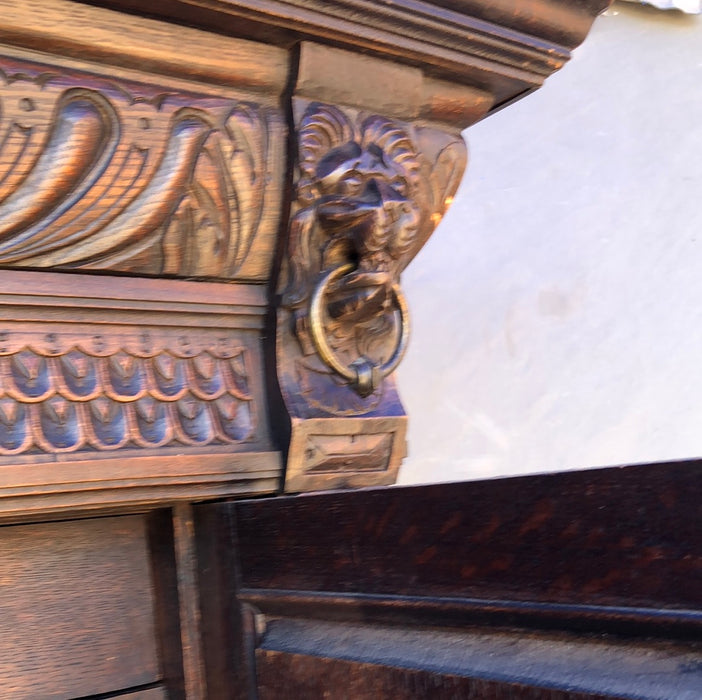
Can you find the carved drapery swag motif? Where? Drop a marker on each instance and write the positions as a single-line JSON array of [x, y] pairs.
[[368, 197], [123, 176]]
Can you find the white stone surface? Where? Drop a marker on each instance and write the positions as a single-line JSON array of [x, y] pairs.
[[693, 7], [557, 311]]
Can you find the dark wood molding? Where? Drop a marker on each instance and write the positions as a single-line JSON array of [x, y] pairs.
[[65, 31], [506, 49], [624, 538], [580, 565]]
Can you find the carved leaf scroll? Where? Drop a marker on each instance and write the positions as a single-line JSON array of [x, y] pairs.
[[104, 176]]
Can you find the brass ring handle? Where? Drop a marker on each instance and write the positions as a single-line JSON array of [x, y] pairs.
[[363, 374]]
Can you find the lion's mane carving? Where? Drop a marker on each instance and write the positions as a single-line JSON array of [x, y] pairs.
[[358, 193], [369, 192]]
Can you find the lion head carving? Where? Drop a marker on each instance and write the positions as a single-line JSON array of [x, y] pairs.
[[358, 191]]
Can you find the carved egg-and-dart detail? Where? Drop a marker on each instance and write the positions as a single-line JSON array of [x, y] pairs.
[[77, 401]]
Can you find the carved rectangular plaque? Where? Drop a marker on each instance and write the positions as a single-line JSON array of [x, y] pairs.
[[348, 452], [335, 454]]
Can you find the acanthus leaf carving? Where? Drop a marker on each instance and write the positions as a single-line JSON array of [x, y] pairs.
[[213, 225], [99, 175]]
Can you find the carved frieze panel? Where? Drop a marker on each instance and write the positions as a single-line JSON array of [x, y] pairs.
[[149, 177], [148, 385], [116, 390]]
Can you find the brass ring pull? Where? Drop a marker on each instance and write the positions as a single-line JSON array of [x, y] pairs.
[[363, 374]]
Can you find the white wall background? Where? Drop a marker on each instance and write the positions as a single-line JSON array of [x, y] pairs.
[[557, 310]]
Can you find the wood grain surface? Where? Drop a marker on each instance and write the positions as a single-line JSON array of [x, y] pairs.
[[129, 171], [77, 609], [509, 48], [74, 30], [599, 540]]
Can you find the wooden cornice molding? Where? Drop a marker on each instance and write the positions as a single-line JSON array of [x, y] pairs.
[[506, 47], [343, 77], [70, 30]]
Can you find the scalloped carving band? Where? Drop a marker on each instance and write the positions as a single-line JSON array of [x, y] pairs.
[[78, 399], [89, 371]]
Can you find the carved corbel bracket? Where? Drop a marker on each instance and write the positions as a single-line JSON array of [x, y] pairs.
[[376, 170]]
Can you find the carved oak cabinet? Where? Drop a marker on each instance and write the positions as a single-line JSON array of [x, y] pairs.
[[205, 210]]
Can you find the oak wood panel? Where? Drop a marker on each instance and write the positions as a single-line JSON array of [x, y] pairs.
[[126, 171], [574, 585], [121, 294], [71, 29], [37, 491], [190, 622], [343, 77], [603, 549], [77, 609]]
